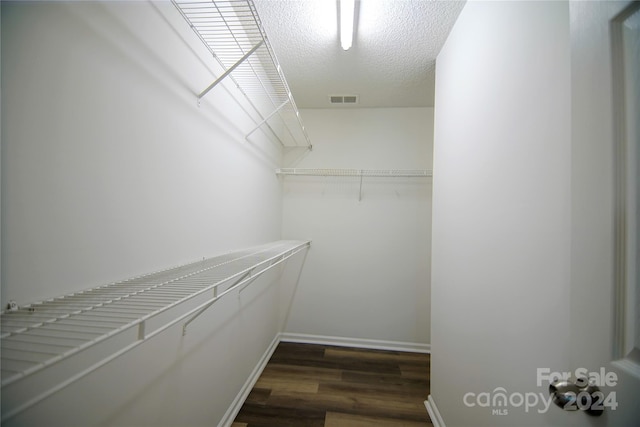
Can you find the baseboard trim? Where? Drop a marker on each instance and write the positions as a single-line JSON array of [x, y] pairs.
[[434, 414], [356, 342], [237, 403]]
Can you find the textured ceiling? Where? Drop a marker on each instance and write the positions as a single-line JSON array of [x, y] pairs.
[[391, 63]]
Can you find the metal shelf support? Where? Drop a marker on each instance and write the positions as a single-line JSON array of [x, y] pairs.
[[215, 298], [230, 70], [259, 125]]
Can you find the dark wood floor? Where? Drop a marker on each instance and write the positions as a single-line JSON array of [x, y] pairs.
[[306, 385]]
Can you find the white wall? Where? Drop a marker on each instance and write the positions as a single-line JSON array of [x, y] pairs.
[[367, 273], [501, 208], [111, 170]]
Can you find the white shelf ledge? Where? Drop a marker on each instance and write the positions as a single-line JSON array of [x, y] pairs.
[[37, 336]]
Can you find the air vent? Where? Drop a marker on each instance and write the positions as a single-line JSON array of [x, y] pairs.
[[343, 99]]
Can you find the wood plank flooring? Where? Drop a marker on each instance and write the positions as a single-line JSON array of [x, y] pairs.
[[307, 385]]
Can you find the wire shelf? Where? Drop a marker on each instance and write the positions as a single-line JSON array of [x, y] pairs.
[[392, 173], [357, 173], [233, 33], [39, 335]]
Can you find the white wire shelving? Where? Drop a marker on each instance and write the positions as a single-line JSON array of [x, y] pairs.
[[357, 173], [40, 335], [233, 32], [391, 173]]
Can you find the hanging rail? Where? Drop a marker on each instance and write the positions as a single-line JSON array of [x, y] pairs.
[[40, 335], [233, 33]]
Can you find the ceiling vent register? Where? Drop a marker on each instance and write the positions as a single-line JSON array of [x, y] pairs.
[[343, 99]]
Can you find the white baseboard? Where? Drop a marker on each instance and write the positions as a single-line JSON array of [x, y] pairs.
[[237, 403], [434, 414], [356, 342]]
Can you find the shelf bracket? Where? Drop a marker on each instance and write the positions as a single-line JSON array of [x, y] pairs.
[[273, 262], [246, 278], [230, 70], [267, 118], [212, 301]]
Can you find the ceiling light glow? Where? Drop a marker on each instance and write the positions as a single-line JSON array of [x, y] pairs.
[[347, 10]]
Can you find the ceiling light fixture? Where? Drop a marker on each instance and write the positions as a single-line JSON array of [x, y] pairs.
[[347, 12]]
